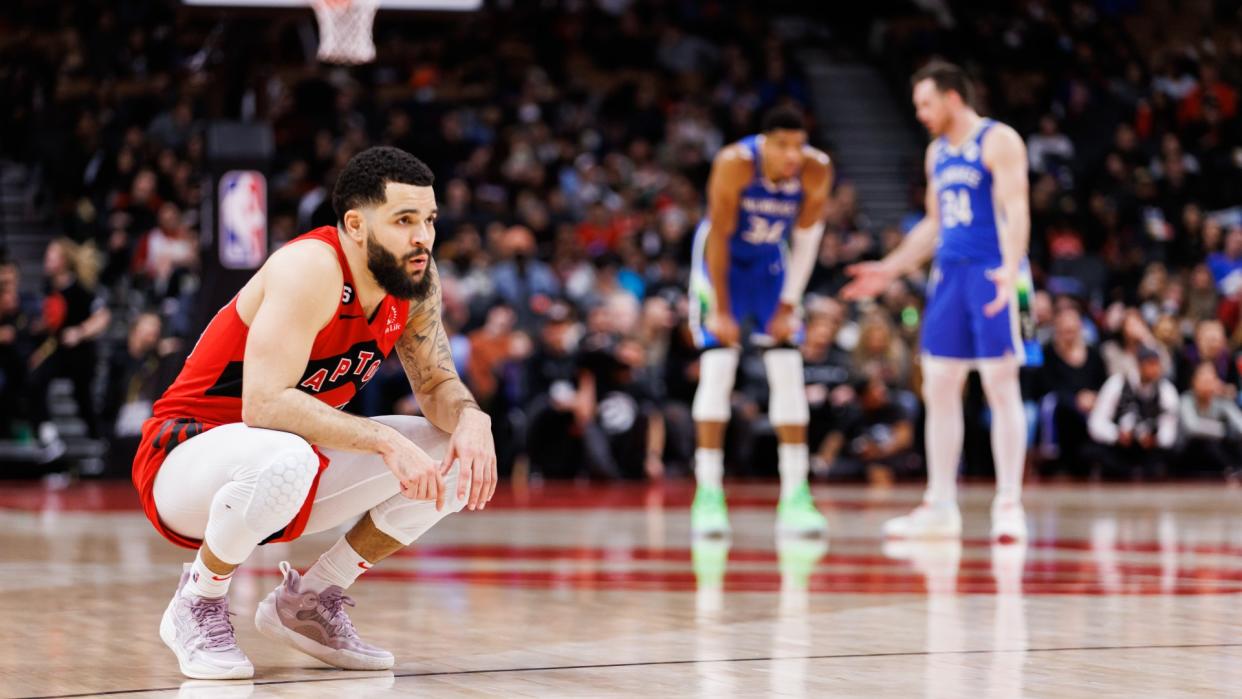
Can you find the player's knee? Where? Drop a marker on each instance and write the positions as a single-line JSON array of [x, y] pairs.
[[281, 487], [787, 387], [404, 520], [1000, 379], [421, 432], [717, 369], [943, 379]]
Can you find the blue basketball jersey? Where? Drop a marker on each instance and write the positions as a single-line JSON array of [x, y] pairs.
[[963, 188], [767, 212]]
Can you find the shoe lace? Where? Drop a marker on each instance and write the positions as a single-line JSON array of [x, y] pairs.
[[333, 601], [212, 618]]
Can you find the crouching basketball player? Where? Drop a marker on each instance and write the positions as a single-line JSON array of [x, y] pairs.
[[753, 256], [249, 446]]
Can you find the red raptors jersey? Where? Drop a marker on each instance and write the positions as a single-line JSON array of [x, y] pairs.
[[207, 393]]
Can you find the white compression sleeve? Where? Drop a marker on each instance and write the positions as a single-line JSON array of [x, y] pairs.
[[803, 251], [1004, 393], [943, 380]]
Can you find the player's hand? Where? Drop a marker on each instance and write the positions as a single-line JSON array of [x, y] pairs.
[[1086, 401], [1125, 438], [414, 469], [473, 446], [71, 337], [1147, 441], [1004, 279], [724, 327], [868, 280], [784, 324]]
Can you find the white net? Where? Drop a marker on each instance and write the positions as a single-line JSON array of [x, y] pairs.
[[345, 30]]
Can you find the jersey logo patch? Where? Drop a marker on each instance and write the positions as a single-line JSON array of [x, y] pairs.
[[394, 324]]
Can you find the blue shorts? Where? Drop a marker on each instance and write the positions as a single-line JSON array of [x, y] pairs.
[[754, 293], [954, 325]]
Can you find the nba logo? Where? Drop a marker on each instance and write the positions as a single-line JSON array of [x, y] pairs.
[[243, 219]]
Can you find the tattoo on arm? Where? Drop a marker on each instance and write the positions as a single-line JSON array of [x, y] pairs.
[[427, 357]]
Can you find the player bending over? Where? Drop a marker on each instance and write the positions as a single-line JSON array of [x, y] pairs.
[[753, 256]]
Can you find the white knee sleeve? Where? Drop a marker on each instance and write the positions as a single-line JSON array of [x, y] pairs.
[[717, 369], [405, 520], [786, 387], [280, 489], [1003, 388], [1001, 382], [247, 511]]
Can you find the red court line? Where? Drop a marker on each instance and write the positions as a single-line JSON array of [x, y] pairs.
[[542, 552], [744, 581], [120, 496]]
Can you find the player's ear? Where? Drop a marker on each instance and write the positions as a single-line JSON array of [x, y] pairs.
[[352, 222]]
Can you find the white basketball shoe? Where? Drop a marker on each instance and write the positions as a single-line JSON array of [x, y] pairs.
[[1008, 521], [927, 521], [198, 630]]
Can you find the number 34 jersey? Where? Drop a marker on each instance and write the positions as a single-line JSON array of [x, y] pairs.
[[767, 212], [963, 188]]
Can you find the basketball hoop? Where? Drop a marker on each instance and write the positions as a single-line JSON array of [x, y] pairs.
[[345, 30]]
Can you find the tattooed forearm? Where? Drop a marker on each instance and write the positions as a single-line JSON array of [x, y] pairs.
[[427, 358]]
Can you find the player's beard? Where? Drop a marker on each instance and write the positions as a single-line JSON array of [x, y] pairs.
[[390, 274]]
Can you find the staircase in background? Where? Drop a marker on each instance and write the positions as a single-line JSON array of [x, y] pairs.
[[869, 135]]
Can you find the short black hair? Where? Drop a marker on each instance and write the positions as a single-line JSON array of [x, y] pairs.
[[362, 181], [782, 117], [946, 76]]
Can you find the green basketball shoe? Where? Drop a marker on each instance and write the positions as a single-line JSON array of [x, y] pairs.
[[709, 517], [796, 515]]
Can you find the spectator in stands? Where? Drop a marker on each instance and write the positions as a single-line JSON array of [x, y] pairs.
[[1069, 381], [874, 438], [14, 351], [622, 426], [556, 406], [1135, 419], [881, 351], [1226, 265], [1049, 150], [828, 371], [1212, 347], [73, 320], [1128, 334], [139, 370], [523, 279], [496, 350], [167, 253], [1211, 425], [1201, 298]]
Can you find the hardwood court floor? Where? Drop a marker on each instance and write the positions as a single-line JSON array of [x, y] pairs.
[[567, 590]]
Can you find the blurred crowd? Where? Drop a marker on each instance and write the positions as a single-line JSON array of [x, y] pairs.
[[571, 158]]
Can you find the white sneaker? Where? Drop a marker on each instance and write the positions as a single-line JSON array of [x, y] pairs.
[[198, 630], [1008, 521], [926, 522]]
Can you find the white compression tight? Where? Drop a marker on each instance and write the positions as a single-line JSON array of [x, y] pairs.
[[1004, 394], [943, 381], [233, 486]]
